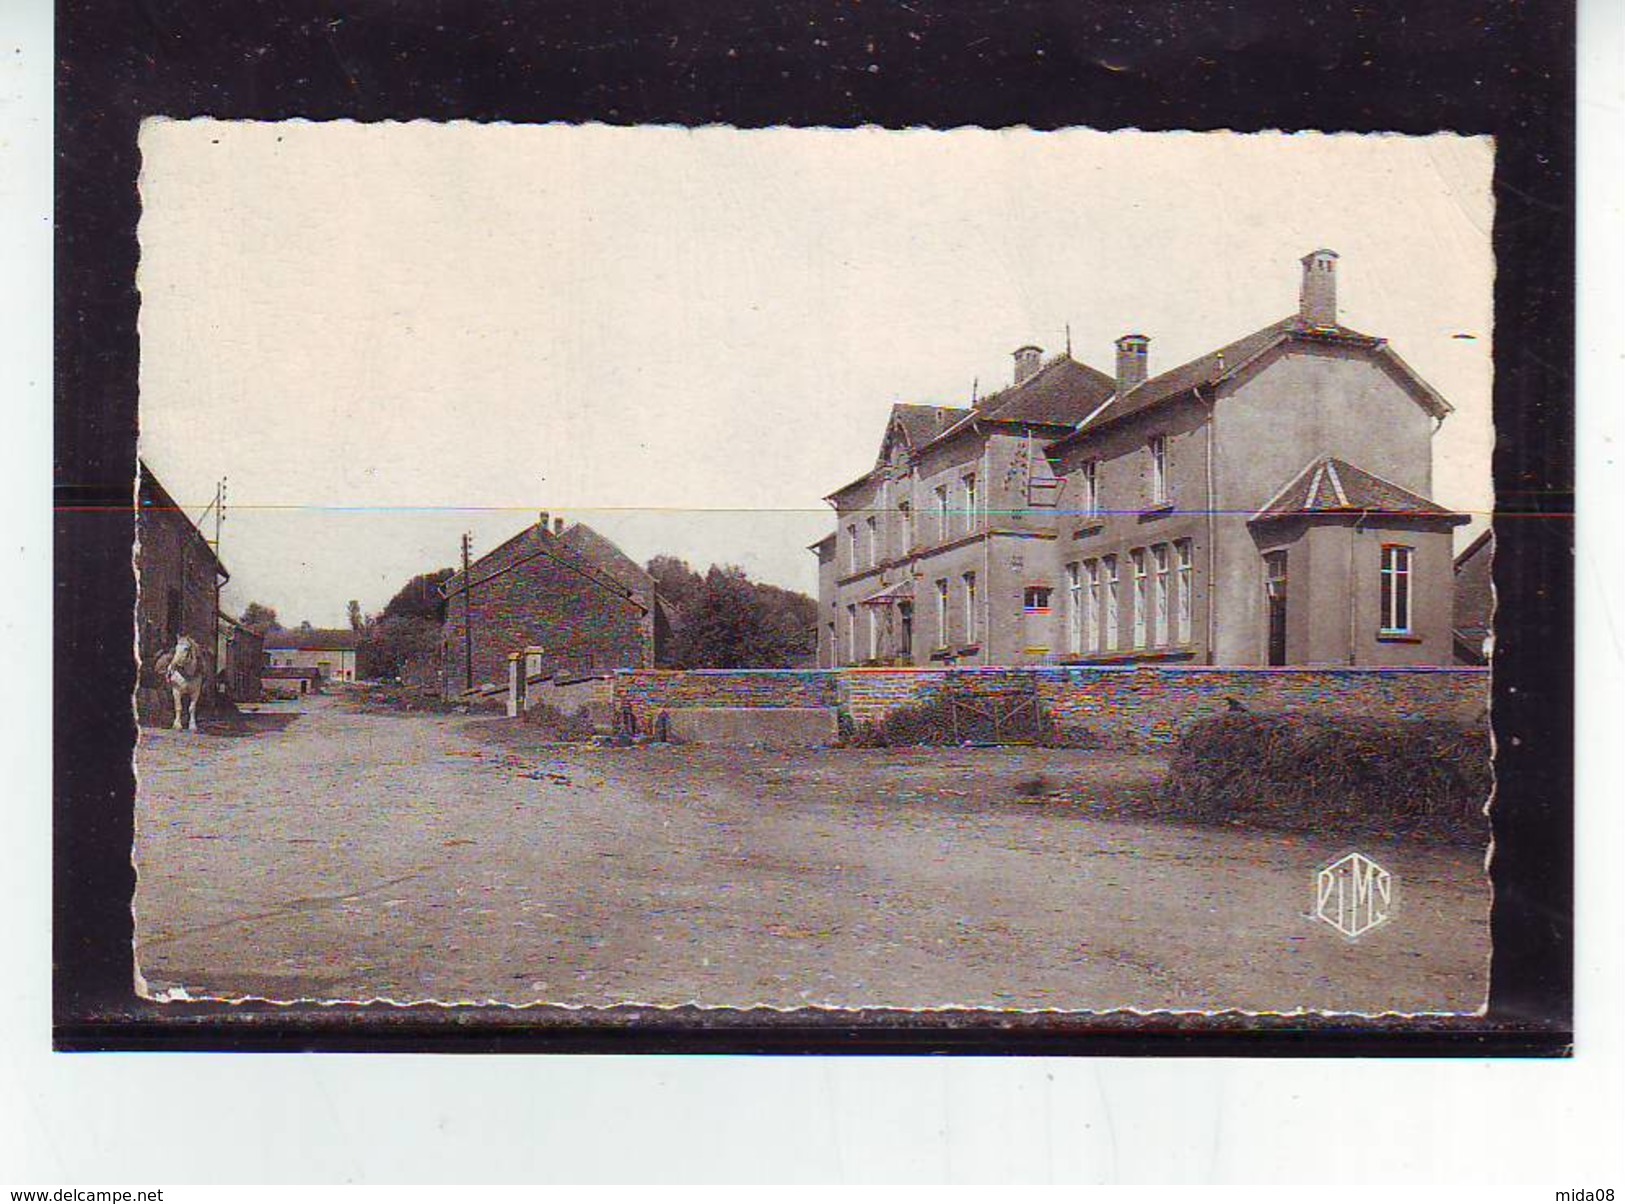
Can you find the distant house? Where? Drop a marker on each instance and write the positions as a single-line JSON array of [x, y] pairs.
[[329, 650], [241, 657], [289, 682], [1264, 504], [1475, 601], [178, 579], [565, 595]]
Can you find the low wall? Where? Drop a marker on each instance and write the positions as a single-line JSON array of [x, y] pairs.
[[644, 693], [774, 727], [1121, 704], [591, 695]]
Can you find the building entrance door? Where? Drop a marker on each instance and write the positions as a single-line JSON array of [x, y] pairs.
[[1275, 604]]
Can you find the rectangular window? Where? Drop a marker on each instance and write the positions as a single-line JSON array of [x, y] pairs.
[[872, 529], [1159, 595], [1109, 567], [942, 612], [1275, 599], [1396, 588], [969, 487], [905, 525], [1074, 608], [1036, 598], [1091, 606], [971, 626], [851, 635], [941, 494], [1139, 600], [852, 547], [1183, 590], [1159, 470], [874, 632], [1089, 503]]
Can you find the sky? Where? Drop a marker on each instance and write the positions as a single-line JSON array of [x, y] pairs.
[[385, 335]]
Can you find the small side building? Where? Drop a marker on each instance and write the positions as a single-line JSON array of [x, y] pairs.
[[241, 656], [178, 579], [1474, 616]]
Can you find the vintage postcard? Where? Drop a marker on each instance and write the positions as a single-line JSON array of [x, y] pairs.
[[813, 569]]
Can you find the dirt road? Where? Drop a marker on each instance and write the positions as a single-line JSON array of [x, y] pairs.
[[335, 854]]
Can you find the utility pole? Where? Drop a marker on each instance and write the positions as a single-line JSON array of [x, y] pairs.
[[468, 622], [218, 506]]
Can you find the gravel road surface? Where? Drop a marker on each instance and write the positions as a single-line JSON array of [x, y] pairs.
[[330, 853]]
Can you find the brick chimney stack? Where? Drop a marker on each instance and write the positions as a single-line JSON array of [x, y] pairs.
[[1317, 299], [1028, 360], [1133, 360]]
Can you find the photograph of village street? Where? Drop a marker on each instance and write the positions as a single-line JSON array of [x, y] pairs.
[[594, 566]]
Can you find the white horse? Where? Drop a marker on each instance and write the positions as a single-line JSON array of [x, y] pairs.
[[184, 670]]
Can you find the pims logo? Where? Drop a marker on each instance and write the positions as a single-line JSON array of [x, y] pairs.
[[1354, 895]]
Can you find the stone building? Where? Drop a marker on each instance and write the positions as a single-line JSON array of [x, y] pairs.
[[1264, 504], [329, 650], [178, 578], [564, 595], [240, 653]]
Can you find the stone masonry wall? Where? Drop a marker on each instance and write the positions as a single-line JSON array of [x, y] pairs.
[[648, 692], [1123, 705]]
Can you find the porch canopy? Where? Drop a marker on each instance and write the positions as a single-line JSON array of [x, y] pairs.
[[890, 595]]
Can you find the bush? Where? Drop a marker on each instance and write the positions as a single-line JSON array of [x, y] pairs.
[[1326, 774]]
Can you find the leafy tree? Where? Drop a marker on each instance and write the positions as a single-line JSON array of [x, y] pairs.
[[675, 581], [260, 618], [408, 627], [388, 644], [733, 623], [420, 598]]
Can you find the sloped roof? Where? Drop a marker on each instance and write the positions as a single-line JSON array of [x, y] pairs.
[[317, 639], [1225, 362], [603, 552], [1062, 392], [1329, 485], [921, 424], [152, 496], [579, 548]]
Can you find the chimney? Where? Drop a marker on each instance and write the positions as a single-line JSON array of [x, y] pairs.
[[1132, 361], [558, 525], [1027, 361], [1317, 299], [545, 524]]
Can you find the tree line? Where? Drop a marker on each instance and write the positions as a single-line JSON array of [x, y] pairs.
[[719, 619]]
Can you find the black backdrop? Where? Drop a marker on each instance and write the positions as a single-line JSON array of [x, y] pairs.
[[1503, 68]]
